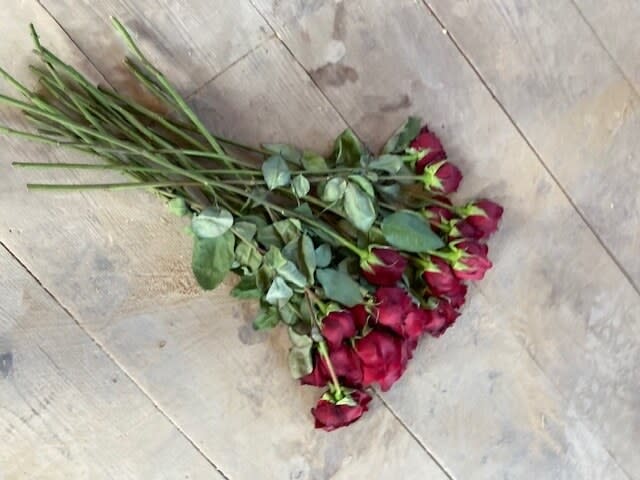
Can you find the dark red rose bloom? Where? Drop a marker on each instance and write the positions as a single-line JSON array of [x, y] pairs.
[[384, 357], [439, 215], [484, 215], [346, 365], [384, 266], [330, 416], [360, 316], [338, 326], [396, 311], [442, 177], [440, 278], [319, 376], [441, 317], [473, 261], [428, 140], [462, 228], [457, 298]]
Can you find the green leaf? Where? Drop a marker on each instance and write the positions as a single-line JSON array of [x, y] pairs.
[[323, 256], [268, 237], [212, 259], [288, 152], [389, 192], [300, 358], [288, 229], [363, 183], [246, 230], [410, 232], [248, 255], [348, 149], [267, 318], [402, 137], [359, 207], [301, 186], [258, 220], [300, 361], [291, 274], [178, 206], [290, 250], [276, 172], [212, 222], [334, 189], [307, 257], [288, 314], [339, 286], [313, 162], [274, 258], [246, 288], [279, 292], [387, 163]]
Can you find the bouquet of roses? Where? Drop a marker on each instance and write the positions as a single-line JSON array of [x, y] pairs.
[[357, 254]]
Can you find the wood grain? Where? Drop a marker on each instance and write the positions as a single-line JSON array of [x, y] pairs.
[[616, 24], [66, 410], [577, 329], [121, 267], [193, 40]]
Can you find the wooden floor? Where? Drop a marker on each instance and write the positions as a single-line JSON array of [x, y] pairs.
[[114, 365]]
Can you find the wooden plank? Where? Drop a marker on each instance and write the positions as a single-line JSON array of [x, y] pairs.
[[193, 41], [617, 24], [66, 410], [547, 68], [121, 266], [580, 328]]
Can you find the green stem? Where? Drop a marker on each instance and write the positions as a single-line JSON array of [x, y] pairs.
[[107, 186], [324, 353]]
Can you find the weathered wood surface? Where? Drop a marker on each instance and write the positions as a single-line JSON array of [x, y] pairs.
[[580, 328], [617, 25], [67, 411], [121, 267], [539, 378], [546, 67]]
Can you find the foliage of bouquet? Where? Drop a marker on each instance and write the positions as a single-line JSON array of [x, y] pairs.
[[357, 254]]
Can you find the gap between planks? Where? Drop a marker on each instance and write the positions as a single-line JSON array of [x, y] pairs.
[[112, 359]]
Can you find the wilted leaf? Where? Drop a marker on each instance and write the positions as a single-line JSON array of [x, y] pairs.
[[267, 318], [248, 255], [269, 237], [359, 208], [246, 230], [279, 292], [363, 183], [212, 259], [339, 286], [348, 149], [276, 172], [289, 271], [212, 222], [246, 288], [313, 162], [178, 206], [307, 256], [288, 229], [300, 361], [333, 189], [410, 232]]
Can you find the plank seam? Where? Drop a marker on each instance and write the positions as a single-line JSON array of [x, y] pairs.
[[564, 192], [606, 49], [111, 358]]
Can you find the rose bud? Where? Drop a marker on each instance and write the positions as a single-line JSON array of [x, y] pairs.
[[396, 311], [439, 277], [441, 177], [329, 415], [441, 317], [383, 266], [472, 260], [338, 326], [439, 215], [483, 215], [462, 228], [428, 141], [457, 298], [384, 357]]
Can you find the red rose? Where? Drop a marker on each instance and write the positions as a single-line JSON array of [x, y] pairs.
[[319, 376], [473, 261], [427, 140], [330, 416], [441, 317], [338, 326], [462, 228], [439, 277], [442, 177], [396, 311], [484, 215], [439, 215], [360, 315], [384, 266], [384, 357], [346, 365], [457, 298]]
